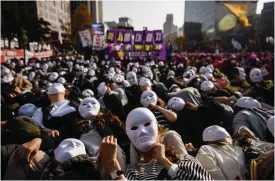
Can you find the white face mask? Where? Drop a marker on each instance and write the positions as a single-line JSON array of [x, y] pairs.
[[149, 75], [132, 78], [135, 70], [31, 76], [142, 129], [101, 89], [241, 73], [91, 73], [148, 97], [89, 107], [176, 104], [256, 75], [53, 76], [103, 62]]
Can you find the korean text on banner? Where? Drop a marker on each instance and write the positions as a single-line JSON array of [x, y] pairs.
[[127, 39], [111, 36], [149, 38], [158, 36], [98, 41], [85, 37], [240, 11], [138, 37], [119, 36]]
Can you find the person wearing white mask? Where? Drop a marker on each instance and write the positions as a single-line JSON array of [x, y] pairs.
[[148, 157], [261, 88], [164, 117], [220, 157], [87, 93], [250, 115], [237, 78], [90, 120], [59, 116], [53, 76], [112, 100], [70, 162], [131, 77], [176, 104]]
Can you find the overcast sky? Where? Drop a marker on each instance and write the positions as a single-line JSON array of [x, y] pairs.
[[148, 13]]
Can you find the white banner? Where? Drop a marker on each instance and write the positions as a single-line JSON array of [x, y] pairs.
[[98, 41], [85, 38]]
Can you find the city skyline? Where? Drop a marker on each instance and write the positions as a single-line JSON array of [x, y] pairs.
[[150, 18]]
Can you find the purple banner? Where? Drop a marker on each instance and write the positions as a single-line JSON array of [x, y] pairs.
[[127, 39], [138, 37], [111, 35], [158, 36], [149, 38], [119, 36]]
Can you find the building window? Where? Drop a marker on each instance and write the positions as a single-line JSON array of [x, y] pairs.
[[54, 2], [45, 6], [40, 3]]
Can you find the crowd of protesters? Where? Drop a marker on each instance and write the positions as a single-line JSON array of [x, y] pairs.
[[198, 116]]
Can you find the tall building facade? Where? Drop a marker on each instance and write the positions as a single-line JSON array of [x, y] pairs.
[[202, 18], [95, 8], [55, 12], [51, 11], [168, 26]]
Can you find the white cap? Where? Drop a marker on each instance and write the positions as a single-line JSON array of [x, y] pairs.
[[214, 133], [61, 80], [191, 78], [55, 88], [202, 70], [248, 102], [27, 110], [88, 93], [145, 82], [270, 125], [207, 86], [7, 79], [69, 148], [208, 70], [62, 73], [209, 75], [101, 89], [171, 73]]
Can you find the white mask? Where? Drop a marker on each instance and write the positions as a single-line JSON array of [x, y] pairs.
[[148, 97], [241, 73], [136, 64], [31, 76], [131, 77], [142, 129], [94, 66], [135, 70], [89, 107], [101, 89], [102, 62], [91, 73], [176, 104], [256, 75], [88, 93], [149, 75], [53, 76]]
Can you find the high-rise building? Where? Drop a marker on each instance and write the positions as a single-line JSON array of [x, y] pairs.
[[54, 12], [202, 18], [95, 8], [168, 26]]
